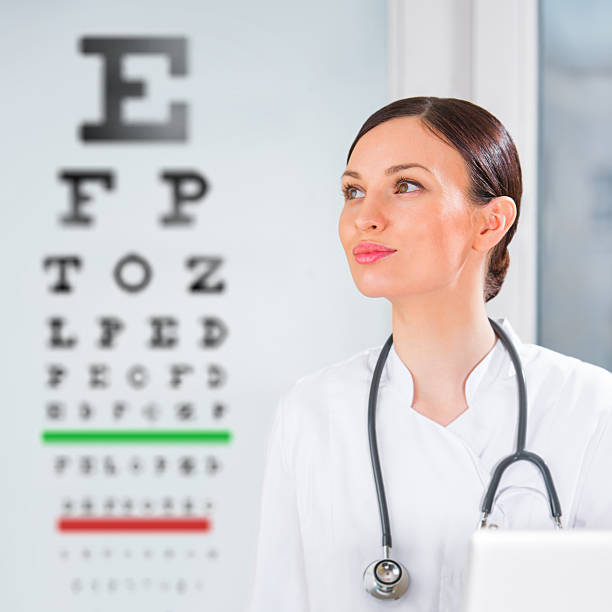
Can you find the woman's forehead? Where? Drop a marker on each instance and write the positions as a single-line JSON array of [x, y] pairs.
[[404, 140]]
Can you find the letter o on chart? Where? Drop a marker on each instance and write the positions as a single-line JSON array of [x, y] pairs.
[[129, 285]]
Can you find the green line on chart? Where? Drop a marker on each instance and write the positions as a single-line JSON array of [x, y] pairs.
[[173, 436]]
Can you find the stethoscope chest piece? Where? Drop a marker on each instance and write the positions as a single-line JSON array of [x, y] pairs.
[[386, 579]]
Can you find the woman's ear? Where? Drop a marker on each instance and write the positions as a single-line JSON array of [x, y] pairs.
[[494, 219]]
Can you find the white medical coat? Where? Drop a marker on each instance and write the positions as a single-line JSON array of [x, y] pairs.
[[319, 523]]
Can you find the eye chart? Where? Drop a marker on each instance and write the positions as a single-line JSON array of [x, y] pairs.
[[136, 422], [165, 171]]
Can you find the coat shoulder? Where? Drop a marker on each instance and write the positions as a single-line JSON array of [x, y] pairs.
[[573, 378], [316, 392], [339, 375]]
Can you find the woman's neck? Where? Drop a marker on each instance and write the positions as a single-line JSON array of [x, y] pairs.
[[441, 341]]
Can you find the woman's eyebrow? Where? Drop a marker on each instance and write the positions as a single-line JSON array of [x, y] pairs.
[[388, 171]]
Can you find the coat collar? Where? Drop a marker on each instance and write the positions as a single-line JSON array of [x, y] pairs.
[[496, 364]]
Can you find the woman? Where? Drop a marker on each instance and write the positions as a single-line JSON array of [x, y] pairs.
[[435, 183]]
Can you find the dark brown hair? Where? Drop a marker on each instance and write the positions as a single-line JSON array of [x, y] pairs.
[[489, 153]]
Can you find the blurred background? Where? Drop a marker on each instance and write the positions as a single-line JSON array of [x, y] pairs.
[[171, 261]]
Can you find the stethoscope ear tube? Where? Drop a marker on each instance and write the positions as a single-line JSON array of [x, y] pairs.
[[553, 499], [520, 454]]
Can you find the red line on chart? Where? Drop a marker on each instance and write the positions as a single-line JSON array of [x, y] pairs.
[[133, 524]]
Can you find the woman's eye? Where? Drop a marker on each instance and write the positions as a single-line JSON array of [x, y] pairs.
[[403, 186], [350, 192]]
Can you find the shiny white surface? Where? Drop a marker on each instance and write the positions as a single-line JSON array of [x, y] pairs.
[[532, 571]]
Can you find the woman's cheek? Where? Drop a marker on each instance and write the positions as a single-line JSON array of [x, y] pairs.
[[421, 233]]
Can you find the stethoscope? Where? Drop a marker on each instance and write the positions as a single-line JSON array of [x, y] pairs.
[[389, 579]]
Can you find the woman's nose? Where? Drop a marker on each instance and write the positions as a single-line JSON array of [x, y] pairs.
[[370, 215]]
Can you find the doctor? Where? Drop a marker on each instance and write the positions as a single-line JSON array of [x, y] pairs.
[[432, 195]]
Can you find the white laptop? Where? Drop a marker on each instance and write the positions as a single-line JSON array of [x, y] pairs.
[[557, 570]]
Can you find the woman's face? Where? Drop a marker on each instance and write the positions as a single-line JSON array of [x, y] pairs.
[[421, 212]]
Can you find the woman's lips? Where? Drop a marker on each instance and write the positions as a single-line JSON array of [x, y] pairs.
[[372, 256]]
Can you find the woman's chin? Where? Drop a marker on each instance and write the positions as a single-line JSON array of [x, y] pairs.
[[374, 289]]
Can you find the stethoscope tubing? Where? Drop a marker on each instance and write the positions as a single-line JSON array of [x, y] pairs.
[[378, 479]]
